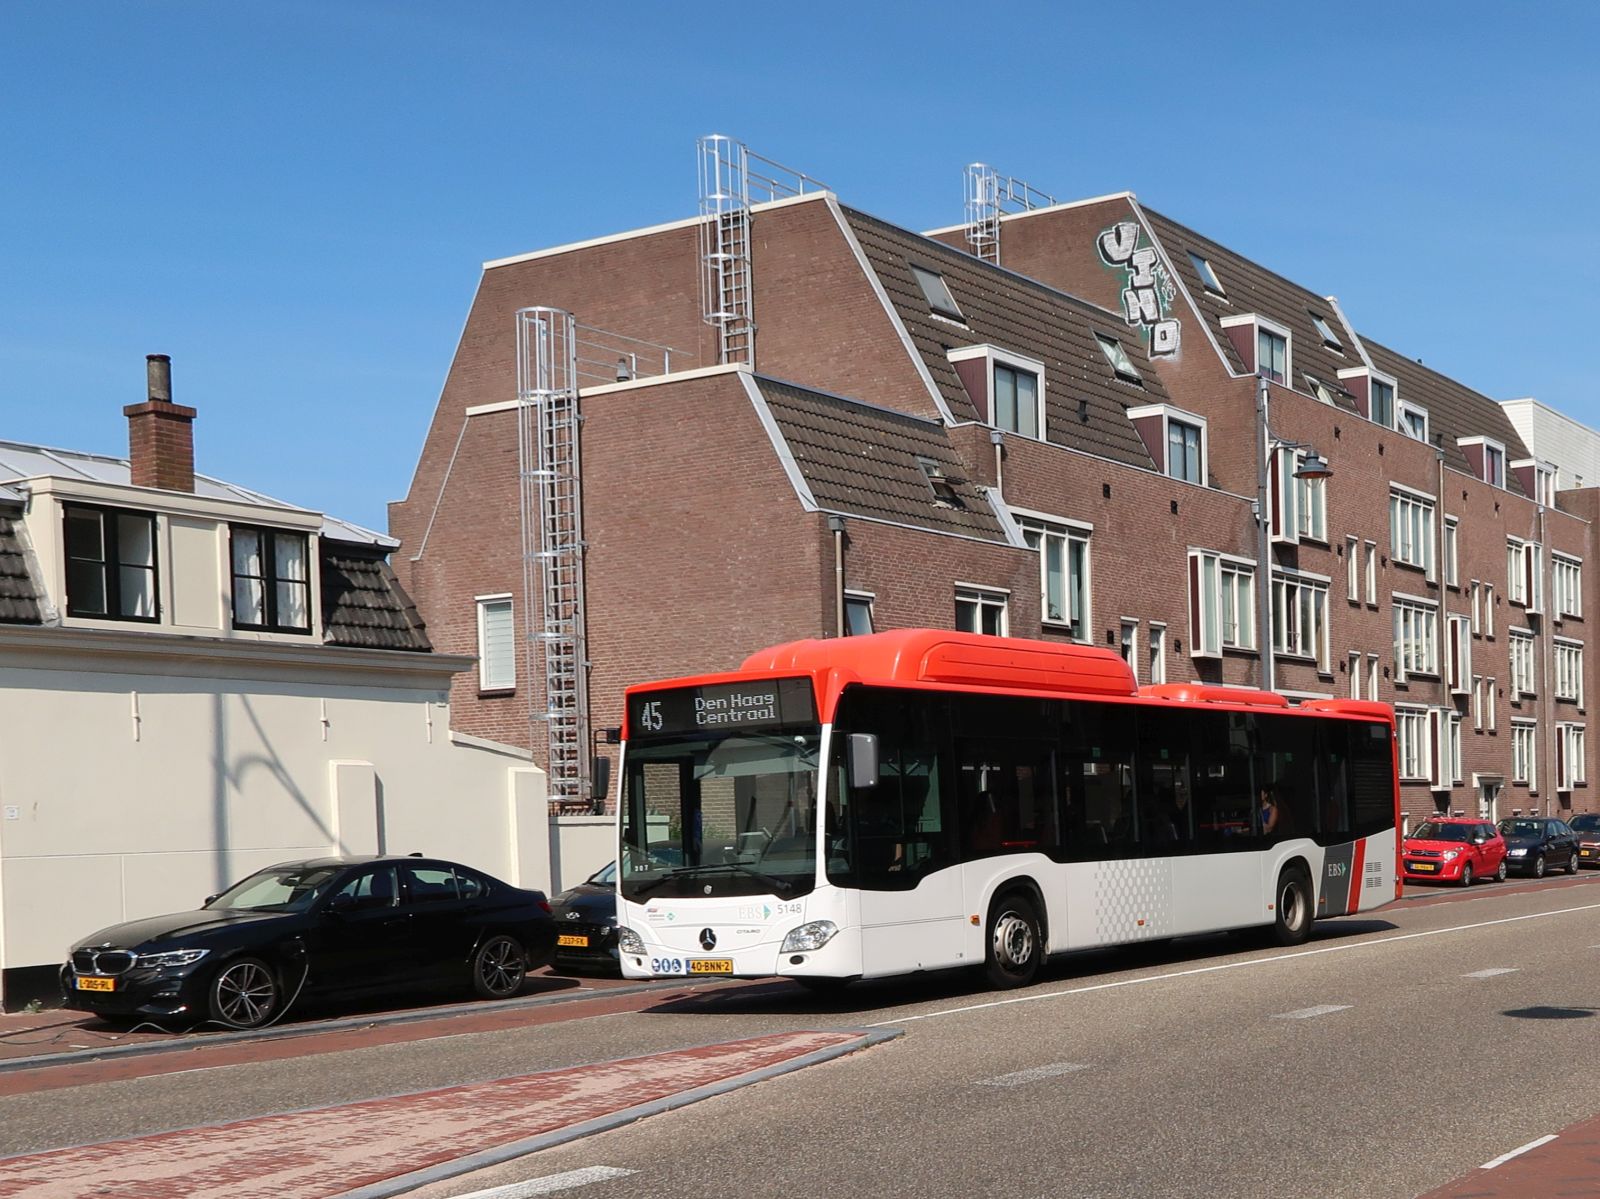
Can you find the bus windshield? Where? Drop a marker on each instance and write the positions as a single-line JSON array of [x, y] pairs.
[[721, 814]]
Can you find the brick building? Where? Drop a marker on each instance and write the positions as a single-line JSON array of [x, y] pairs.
[[1065, 446]]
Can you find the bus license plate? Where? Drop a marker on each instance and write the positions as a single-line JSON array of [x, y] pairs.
[[1423, 867], [711, 966], [97, 984], [573, 940]]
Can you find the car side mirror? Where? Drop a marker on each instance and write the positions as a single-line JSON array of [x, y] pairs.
[[339, 905], [1480, 839], [210, 899]]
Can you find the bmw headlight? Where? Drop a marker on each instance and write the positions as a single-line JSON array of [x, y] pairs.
[[1451, 855], [172, 957], [629, 941], [1516, 853], [809, 937]]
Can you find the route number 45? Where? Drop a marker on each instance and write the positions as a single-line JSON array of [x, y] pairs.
[[650, 716]]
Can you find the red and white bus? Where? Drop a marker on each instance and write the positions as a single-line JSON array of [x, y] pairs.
[[918, 800]]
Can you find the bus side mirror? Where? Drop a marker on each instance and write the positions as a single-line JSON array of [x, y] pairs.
[[861, 761], [600, 774]]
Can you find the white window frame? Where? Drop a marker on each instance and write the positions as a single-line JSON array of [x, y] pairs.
[[1301, 509], [994, 356], [1117, 356], [937, 294], [1411, 734], [1411, 536], [1354, 666], [1298, 598], [1568, 666], [1524, 752], [1371, 548], [1324, 328], [1376, 378], [1477, 609], [1352, 565], [1492, 692], [1477, 703], [1212, 575], [1158, 651], [1207, 273], [1493, 452], [1566, 585], [488, 681], [1519, 647], [1070, 533], [1452, 556], [1525, 574], [1458, 653], [1128, 643], [1570, 768], [1258, 323], [1372, 676], [1545, 475], [1405, 408], [1488, 610], [981, 598], [1416, 636], [859, 597], [1169, 414]]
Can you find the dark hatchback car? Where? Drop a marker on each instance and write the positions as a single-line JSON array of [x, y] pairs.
[[586, 923], [1587, 826], [329, 925], [1537, 843]]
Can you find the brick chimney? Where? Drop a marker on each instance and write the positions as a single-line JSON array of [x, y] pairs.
[[161, 433]]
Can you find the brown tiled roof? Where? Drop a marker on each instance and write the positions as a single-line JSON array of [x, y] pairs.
[[363, 604], [1454, 410], [1015, 313], [19, 596], [862, 460], [1251, 288]]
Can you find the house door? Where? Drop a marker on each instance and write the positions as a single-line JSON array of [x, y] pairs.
[[1489, 786]]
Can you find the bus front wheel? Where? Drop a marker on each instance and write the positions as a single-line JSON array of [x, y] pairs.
[[1293, 908], [1015, 945]]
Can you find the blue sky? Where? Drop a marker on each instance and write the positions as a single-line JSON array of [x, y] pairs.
[[294, 199]]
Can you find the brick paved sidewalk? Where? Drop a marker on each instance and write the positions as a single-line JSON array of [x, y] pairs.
[[326, 1152], [1565, 1167]]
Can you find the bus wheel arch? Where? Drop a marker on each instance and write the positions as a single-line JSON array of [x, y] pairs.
[[1014, 934], [1293, 903]]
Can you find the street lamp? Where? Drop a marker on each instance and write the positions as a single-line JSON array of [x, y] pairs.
[[1312, 466]]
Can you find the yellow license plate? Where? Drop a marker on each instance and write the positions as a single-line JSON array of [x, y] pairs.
[[579, 942], [1586, 853], [1423, 867], [711, 966], [97, 984]]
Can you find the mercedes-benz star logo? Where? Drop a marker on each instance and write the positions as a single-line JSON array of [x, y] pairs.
[[708, 939]]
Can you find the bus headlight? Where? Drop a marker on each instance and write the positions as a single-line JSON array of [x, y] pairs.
[[629, 941], [809, 937]]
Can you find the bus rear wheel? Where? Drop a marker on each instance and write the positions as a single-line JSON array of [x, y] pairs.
[[1015, 946], [1292, 924]]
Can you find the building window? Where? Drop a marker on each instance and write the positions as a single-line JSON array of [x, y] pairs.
[[1566, 585], [1300, 617], [1380, 402], [1326, 392], [271, 582], [1413, 421], [1221, 603], [1522, 750], [1208, 277], [1416, 637], [1184, 456], [1525, 573], [1570, 770], [1063, 574], [1325, 331], [1477, 609], [1355, 675], [1372, 573], [1411, 728], [1272, 354], [1300, 506], [1016, 400], [857, 613], [111, 563], [1411, 529], [1352, 570], [1477, 703], [981, 610], [1455, 747], [497, 644], [937, 293], [1491, 694], [1544, 485], [1158, 652], [1458, 648], [1118, 358], [1522, 680], [1488, 610], [1451, 577], [1494, 465], [1372, 676], [1128, 644], [1569, 671], [1312, 504]]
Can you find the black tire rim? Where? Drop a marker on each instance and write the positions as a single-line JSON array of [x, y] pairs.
[[246, 994], [500, 967]]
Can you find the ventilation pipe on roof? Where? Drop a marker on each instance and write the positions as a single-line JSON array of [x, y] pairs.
[[998, 440], [836, 527], [160, 433]]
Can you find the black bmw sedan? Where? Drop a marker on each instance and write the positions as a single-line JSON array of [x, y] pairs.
[[1537, 843], [314, 928]]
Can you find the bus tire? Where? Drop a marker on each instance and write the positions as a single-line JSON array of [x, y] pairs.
[[1014, 945], [1292, 907]]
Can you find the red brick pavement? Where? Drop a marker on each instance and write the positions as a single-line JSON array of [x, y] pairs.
[[327, 1151], [1565, 1168]]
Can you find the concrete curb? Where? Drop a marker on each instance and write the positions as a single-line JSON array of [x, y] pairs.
[[402, 1183], [343, 1023]]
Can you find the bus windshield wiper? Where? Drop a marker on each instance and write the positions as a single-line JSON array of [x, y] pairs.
[[773, 881]]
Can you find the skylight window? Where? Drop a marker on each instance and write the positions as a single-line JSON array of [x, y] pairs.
[[1325, 331], [1325, 392], [1208, 277], [1118, 358], [937, 293]]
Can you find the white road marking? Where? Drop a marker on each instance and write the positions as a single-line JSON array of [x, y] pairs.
[[1033, 1075], [1491, 972], [1307, 1013], [1282, 957], [1505, 1157], [551, 1183]]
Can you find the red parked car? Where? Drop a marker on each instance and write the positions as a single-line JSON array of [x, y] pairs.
[[1453, 849]]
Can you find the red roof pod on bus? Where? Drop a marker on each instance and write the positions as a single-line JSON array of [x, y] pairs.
[[1203, 693]]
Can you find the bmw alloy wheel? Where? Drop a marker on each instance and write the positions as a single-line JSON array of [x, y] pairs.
[[244, 994]]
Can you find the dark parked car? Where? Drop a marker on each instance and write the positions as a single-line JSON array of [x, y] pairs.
[[1587, 826], [315, 927], [1535, 843], [586, 922]]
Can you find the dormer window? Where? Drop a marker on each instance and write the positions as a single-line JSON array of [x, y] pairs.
[[1118, 358], [1412, 420], [937, 293], [1328, 393], [1538, 480], [1006, 388], [1373, 393], [1380, 405], [1487, 457], [111, 563], [271, 580], [1176, 440], [1208, 276], [1263, 345], [1325, 331]]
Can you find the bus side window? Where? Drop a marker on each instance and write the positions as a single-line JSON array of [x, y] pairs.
[[1166, 814], [1223, 799], [1099, 815]]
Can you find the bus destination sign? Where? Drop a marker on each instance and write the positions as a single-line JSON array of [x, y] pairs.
[[722, 707]]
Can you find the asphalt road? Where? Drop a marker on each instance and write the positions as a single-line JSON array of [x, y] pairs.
[[1390, 1055]]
